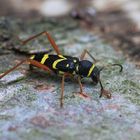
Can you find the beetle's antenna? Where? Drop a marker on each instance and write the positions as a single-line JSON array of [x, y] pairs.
[[103, 91], [101, 69], [121, 67]]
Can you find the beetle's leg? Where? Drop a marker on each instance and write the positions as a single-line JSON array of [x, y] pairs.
[[81, 88], [33, 62], [87, 52], [104, 92], [51, 40], [62, 87], [10, 70], [30, 67], [39, 65], [62, 91], [80, 84]]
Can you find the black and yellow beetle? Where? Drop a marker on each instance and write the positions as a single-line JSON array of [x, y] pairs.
[[65, 65]]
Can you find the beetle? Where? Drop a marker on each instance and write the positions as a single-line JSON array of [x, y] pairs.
[[65, 66]]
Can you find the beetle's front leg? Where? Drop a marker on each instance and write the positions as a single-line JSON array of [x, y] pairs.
[[104, 92], [81, 93], [87, 52]]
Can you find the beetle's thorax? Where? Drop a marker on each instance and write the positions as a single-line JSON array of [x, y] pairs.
[[84, 68]]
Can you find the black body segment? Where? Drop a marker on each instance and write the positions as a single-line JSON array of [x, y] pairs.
[[95, 75], [62, 64], [85, 68], [57, 63]]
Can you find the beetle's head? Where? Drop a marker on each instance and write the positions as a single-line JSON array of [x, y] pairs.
[[95, 75]]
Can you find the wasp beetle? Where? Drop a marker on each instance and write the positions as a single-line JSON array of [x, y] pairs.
[[65, 65]]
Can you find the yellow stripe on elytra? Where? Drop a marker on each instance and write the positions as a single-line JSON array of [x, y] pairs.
[[32, 57], [61, 72], [57, 61], [46, 56], [90, 71], [61, 56]]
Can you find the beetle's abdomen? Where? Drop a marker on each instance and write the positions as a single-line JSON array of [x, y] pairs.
[[57, 63]]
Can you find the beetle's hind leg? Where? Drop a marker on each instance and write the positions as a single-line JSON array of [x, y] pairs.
[[12, 69], [31, 62], [51, 40], [31, 67]]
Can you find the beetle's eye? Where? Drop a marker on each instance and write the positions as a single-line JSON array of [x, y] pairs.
[[95, 80], [67, 65]]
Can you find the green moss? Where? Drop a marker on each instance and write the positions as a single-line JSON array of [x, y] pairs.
[[23, 96], [34, 134], [131, 84], [5, 117]]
